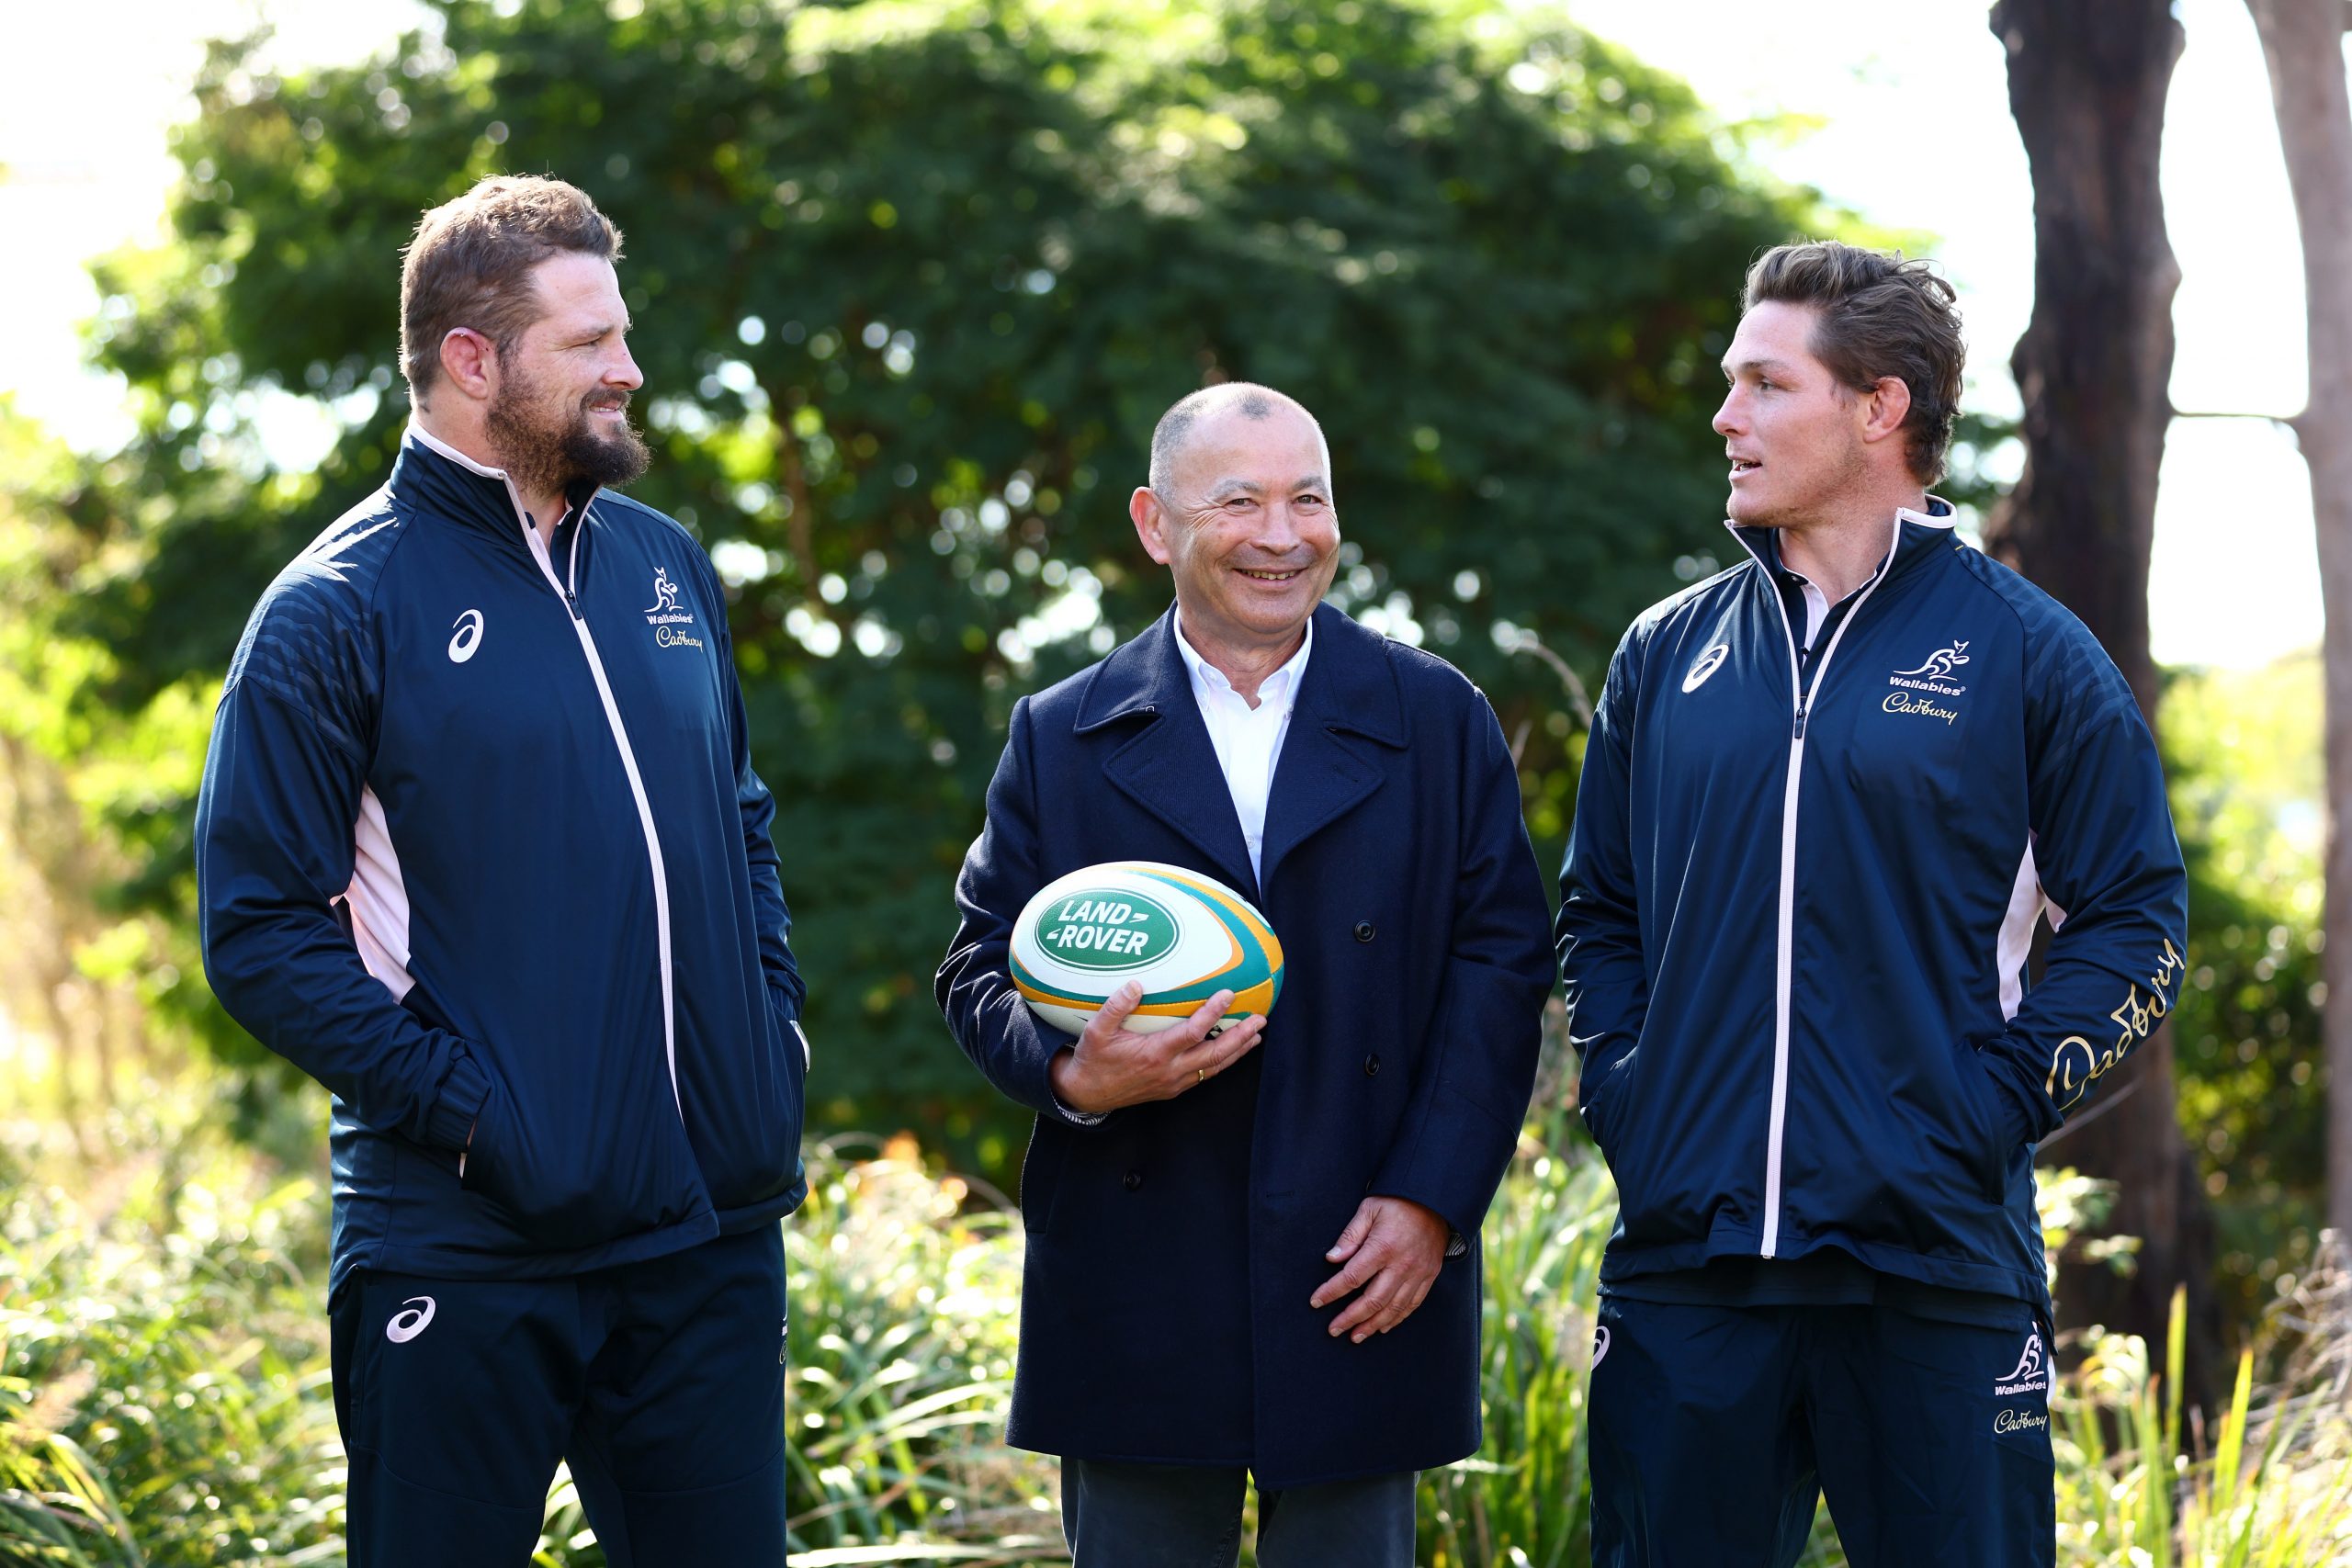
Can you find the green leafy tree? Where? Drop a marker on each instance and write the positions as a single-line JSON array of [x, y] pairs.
[[910, 286]]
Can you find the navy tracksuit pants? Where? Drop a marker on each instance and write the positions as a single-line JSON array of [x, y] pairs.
[[1716, 1429], [661, 1382]]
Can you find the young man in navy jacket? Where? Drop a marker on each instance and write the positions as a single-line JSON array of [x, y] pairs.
[[481, 848], [1826, 797]]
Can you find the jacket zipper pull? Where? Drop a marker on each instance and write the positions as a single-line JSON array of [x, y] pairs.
[[1801, 713], [572, 602]]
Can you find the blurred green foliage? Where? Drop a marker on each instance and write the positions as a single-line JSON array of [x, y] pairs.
[[2241, 749], [911, 285]]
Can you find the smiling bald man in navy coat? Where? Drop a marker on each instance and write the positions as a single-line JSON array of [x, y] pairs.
[[1256, 1256]]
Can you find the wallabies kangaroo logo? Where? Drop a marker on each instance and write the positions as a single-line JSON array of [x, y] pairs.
[[665, 593], [2028, 1375], [1940, 663]]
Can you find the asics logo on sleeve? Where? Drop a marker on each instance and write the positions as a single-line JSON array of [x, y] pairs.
[[469, 637], [407, 1326], [1599, 1342], [1709, 662]]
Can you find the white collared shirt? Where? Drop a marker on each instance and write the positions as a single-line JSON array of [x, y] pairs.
[[1249, 740]]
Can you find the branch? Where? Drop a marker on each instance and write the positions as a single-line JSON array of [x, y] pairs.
[[2283, 421], [2105, 1105], [1519, 741], [800, 527], [1529, 643]]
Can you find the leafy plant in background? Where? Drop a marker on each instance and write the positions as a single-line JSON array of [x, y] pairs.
[[164, 1397], [905, 1293], [1526, 1491], [2270, 1487]]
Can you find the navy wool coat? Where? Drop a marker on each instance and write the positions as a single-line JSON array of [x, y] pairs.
[[1172, 1247]]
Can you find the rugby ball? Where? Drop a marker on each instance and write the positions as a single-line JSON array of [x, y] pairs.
[[1182, 936]]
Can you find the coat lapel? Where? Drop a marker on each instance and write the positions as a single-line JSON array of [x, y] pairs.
[[1169, 767], [1348, 715]]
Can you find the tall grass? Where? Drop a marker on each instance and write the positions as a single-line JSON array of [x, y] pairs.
[[164, 1397], [163, 1394], [905, 1300], [2270, 1487], [1523, 1500]]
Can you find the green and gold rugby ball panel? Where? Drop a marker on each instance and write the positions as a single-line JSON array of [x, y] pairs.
[[1182, 936]]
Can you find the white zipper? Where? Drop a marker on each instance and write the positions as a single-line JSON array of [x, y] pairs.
[[1801, 700], [612, 717], [635, 787]]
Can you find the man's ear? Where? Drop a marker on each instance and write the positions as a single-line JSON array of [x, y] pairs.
[[1151, 522], [469, 362], [1884, 408]]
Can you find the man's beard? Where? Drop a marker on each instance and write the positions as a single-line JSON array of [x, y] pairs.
[[544, 448]]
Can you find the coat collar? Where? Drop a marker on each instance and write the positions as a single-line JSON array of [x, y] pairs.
[[1348, 709], [1147, 678], [1350, 672]]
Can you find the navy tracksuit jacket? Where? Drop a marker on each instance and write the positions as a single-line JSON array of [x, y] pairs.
[[1796, 915], [479, 848]]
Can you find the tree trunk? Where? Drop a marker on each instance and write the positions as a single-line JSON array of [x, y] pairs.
[[2302, 43], [2086, 87]]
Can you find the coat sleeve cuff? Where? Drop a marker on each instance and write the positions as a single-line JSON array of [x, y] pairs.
[[1454, 1168], [1077, 1117], [1029, 1046]]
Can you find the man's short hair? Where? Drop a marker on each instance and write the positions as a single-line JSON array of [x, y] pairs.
[[1252, 401], [469, 264], [1878, 315]]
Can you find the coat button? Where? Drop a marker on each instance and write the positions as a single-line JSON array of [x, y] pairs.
[[1372, 1067], [1132, 1180], [1363, 930]]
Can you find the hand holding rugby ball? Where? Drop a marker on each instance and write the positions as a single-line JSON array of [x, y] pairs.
[[1182, 936]]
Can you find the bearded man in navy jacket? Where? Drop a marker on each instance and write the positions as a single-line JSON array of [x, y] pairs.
[[1256, 1254], [1826, 797], [481, 848]]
